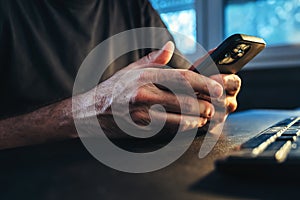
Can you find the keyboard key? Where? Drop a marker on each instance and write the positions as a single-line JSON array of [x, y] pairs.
[[283, 152], [270, 151], [275, 146], [291, 132], [276, 151], [256, 141], [260, 148], [275, 128], [286, 121], [271, 131], [286, 138], [295, 127], [297, 123]]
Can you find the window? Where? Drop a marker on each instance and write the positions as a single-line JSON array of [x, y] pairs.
[[180, 17], [190, 18], [211, 21], [278, 22]]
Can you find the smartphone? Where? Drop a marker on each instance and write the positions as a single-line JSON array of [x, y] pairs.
[[231, 55]]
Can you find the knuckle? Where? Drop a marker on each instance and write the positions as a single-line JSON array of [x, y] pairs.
[[150, 57], [184, 79], [187, 73], [141, 95], [184, 75], [140, 117]]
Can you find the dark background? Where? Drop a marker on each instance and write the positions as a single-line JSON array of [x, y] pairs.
[[272, 88]]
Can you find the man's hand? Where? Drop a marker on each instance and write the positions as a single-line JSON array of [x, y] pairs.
[[146, 72], [56, 121]]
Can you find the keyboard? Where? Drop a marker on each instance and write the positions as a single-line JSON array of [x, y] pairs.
[[273, 152]]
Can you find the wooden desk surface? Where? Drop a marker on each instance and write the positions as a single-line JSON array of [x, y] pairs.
[[65, 170]]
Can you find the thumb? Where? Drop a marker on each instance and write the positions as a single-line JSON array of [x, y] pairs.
[[160, 57]]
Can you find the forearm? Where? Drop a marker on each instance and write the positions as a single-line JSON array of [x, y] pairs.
[[53, 122]]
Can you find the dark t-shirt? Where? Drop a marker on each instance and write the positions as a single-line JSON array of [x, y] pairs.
[[44, 42]]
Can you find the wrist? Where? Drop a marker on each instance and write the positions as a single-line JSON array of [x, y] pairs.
[[95, 102]]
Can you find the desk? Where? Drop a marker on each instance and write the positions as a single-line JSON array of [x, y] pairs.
[[65, 170]]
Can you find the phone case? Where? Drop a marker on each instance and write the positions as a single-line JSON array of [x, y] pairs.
[[231, 55]]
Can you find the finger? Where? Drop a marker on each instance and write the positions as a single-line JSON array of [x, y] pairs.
[[225, 105], [231, 104], [182, 80], [186, 122], [156, 58], [178, 103], [231, 82]]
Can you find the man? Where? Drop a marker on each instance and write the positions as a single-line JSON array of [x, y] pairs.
[[44, 42]]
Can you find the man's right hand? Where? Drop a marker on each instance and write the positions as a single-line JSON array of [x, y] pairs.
[[146, 73]]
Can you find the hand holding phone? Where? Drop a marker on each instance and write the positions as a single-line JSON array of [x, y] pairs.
[[231, 55]]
